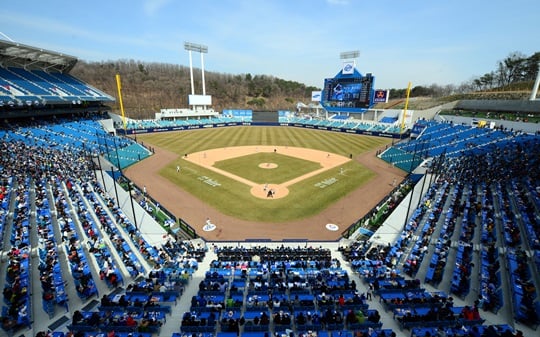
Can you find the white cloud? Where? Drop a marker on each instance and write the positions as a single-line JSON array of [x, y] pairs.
[[151, 7]]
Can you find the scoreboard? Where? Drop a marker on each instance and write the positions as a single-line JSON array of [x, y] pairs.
[[365, 92], [265, 117], [353, 92]]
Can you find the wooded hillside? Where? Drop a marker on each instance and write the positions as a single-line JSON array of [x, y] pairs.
[[149, 87]]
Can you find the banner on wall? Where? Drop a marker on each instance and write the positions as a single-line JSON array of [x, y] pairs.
[[381, 96]]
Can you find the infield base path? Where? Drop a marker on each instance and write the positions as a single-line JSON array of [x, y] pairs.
[[208, 158]]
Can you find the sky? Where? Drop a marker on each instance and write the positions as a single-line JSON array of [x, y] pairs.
[[423, 42]]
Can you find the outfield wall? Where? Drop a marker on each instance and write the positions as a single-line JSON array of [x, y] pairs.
[[298, 125]]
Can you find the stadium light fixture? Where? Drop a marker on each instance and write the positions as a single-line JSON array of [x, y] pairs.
[[348, 55], [195, 47]]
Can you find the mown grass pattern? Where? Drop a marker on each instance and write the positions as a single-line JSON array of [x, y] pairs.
[[305, 198]]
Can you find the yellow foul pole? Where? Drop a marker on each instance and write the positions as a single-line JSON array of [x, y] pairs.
[[119, 87], [404, 109]]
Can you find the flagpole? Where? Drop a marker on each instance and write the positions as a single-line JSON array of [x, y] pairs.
[[405, 108]]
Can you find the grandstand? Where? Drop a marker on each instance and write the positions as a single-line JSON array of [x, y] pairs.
[[33, 77], [461, 254]]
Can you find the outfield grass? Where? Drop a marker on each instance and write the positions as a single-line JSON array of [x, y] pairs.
[[305, 198]]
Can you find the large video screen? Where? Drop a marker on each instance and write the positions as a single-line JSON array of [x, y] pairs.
[[348, 92]]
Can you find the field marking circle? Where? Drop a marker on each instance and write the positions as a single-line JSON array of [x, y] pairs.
[[332, 227], [209, 227]]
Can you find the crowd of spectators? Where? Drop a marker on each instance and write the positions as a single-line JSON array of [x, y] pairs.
[[24, 165], [278, 275], [506, 172], [277, 289], [61, 172]]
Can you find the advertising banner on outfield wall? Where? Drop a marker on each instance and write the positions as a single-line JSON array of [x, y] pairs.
[[306, 126]]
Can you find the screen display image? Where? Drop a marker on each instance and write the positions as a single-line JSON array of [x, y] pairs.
[[347, 93]]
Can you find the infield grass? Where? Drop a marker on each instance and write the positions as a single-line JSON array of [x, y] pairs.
[[248, 167], [306, 198]]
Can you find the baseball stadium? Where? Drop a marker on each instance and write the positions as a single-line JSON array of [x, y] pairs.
[[337, 219]]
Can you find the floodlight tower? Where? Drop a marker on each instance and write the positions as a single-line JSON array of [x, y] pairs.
[[201, 49], [534, 92]]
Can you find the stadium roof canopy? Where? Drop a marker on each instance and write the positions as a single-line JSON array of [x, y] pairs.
[[28, 57]]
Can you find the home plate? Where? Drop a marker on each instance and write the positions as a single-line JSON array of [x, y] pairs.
[[332, 227]]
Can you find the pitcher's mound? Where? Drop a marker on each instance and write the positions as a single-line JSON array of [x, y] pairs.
[[268, 165]]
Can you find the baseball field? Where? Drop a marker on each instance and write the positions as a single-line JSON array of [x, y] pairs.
[[265, 182]]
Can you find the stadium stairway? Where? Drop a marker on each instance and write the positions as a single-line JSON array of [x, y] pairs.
[[387, 320], [421, 275], [105, 238], [505, 273], [134, 250]]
